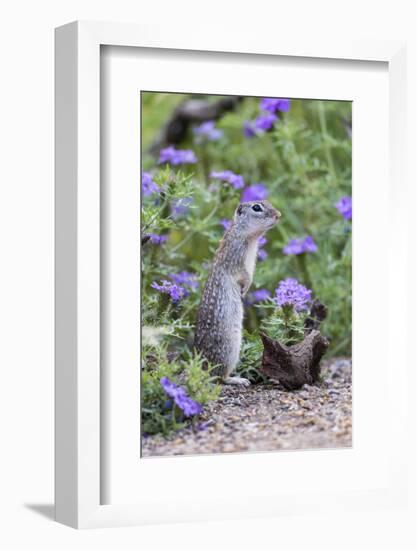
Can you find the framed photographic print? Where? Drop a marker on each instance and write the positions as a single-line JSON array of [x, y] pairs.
[[219, 316], [284, 152]]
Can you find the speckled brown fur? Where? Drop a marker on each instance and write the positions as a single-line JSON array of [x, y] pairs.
[[219, 323]]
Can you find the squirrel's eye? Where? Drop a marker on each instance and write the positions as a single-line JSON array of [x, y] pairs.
[[257, 208]]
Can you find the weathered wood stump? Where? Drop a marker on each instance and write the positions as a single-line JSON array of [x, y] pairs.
[[299, 364], [318, 312]]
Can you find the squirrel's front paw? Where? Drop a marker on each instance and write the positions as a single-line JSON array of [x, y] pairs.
[[237, 380]]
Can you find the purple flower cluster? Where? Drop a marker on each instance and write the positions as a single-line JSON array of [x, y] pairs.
[[260, 295], [158, 239], [235, 180], [344, 205], [176, 156], [180, 207], [291, 292], [266, 120], [260, 125], [263, 123], [273, 104], [185, 278], [226, 224], [207, 131], [176, 292], [255, 192], [262, 253], [179, 396], [148, 185], [300, 246], [249, 129]]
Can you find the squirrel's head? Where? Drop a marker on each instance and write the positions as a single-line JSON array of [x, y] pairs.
[[255, 217]]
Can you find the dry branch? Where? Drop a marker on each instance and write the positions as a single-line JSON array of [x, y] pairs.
[[191, 111]]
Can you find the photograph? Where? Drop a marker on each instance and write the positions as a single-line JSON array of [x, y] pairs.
[[246, 274]]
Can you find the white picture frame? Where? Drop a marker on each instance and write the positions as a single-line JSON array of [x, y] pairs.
[[78, 411]]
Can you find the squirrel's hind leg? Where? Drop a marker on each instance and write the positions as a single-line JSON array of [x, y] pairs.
[[231, 360]]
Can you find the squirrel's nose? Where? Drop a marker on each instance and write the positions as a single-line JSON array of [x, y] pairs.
[[277, 214]]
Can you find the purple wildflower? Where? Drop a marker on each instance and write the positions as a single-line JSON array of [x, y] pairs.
[[158, 239], [226, 223], [227, 175], [170, 388], [344, 205], [255, 192], [309, 244], [273, 104], [176, 292], [177, 156], [262, 254], [188, 406], [148, 185], [291, 292], [256, 296], [300, 246], [179, 207], [265, 122], [248, 129], [294, 246], [207, 131], [261, 124], [260, 295], [185, 278]]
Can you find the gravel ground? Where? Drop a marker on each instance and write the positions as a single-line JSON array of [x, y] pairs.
[[265, 417]]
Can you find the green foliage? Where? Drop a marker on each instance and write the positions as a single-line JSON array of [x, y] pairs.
[[250, 358], [159, 414], [284, 324]]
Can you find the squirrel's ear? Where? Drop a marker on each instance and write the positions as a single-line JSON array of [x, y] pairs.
[[239, 210]]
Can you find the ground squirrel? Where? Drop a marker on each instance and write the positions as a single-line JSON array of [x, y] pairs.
[[219, 323]]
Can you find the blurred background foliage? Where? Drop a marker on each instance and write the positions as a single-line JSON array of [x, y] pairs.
[[304, 162]]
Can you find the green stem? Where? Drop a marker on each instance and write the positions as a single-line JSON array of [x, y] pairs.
[[251, 319], [302, 266], [340, 346], [327, 150], [157, 214], [192, 233], [164, 306], [292, 160], [186, 312], [205, 163]]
